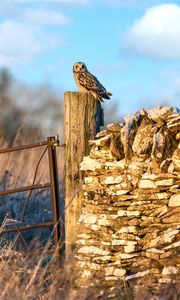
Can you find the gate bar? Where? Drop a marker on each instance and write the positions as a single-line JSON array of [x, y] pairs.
[[26, 188], [27, 227], [23, 147]]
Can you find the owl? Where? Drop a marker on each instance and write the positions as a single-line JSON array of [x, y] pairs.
[[87, 82]]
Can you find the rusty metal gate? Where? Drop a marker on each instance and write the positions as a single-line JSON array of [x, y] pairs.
[[50, 145]]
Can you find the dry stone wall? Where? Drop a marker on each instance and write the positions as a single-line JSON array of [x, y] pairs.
[[129, 228]]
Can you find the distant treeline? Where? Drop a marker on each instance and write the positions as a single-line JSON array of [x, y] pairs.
[[33, 113]]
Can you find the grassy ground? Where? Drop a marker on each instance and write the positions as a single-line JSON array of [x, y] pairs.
[[38, 276]]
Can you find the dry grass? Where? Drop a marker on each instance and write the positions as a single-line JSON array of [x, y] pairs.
[[33, 276], [12, 164], [39, 276]]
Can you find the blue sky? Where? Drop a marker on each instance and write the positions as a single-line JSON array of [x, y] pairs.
[[132, 46]]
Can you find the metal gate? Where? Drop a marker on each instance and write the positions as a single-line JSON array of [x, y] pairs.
[[50, 145]]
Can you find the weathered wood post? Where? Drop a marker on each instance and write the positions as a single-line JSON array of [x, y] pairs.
[[82, 120]]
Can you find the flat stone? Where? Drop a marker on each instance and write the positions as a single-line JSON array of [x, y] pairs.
[[162, 195], [161, 112], [93, 250], [102, 133], [166, 280], [86, 273], [158, 212], [122, 192], [170, 270], [174, 123], [106, 243], [174, 200], [133, 213], [101, 142], [109, 271], [95, 227], [116, 146], [143, 139], [149, 176], [172, 219], [81, 242], [155, 250], [178, 136], [90, 180], [158, 146], [84, 236], [127, 255], [146, 184], [122, 213], [111, 278], [101, 259], [169, 235], [150, 255], [111, 180], [125, 236], [127, 229], [108, 216], [103, 222], [129, 248], [89, 164], [89, 265], [114, 127], [121, 164], [137, 275], [103, 155], [123, 242], [176, 159], [165, 182], [119, 272], [174, 245], [87, 218], [128, 133], [154, 242]]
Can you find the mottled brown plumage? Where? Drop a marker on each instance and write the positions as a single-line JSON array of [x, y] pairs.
[[87, 82]]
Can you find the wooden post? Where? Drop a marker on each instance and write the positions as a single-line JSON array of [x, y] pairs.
[[82, 120]]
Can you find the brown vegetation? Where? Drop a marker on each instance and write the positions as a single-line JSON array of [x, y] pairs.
[[34, 112], [38, 276]]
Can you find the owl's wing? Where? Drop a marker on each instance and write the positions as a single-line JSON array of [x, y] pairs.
[[90, 82]]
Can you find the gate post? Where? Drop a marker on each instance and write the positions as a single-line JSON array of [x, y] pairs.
[[82, 120], [54, 182]]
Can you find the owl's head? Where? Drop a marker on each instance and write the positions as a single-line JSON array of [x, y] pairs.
[[79, 67]]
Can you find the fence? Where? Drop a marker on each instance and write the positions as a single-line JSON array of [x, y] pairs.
[[50, 145]]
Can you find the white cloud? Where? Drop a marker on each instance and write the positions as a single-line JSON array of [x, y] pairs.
[[45, 17], [40, 16], [156, 34], [57, 1], [131, 3], [120, 3], [19, 43], [25, 32]]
